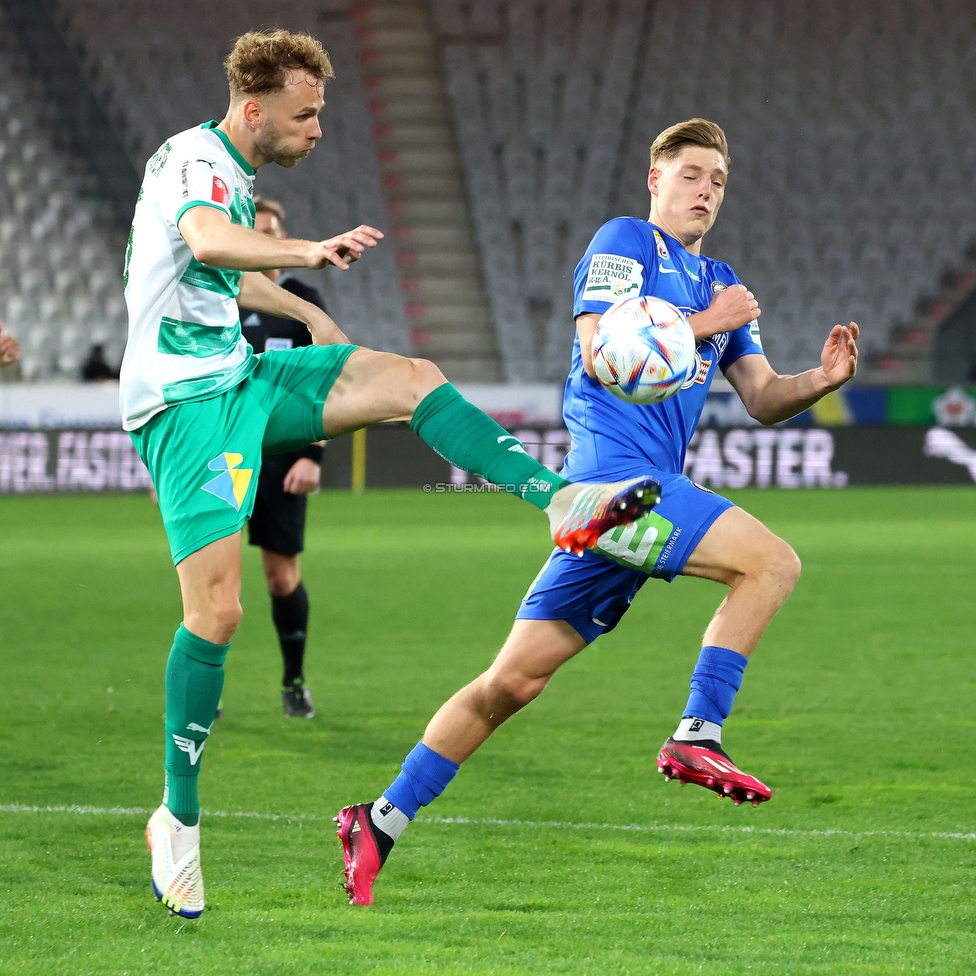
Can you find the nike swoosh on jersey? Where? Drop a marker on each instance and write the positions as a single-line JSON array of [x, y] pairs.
[[665, 270]]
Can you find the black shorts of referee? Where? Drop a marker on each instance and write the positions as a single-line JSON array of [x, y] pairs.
[[278, 521]]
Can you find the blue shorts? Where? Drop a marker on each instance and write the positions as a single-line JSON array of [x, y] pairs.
[[593, 591]]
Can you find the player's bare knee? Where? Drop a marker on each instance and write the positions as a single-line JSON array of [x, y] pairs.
[[425, 377], [792, 566], [216, 622], [281, 580], [225, 613], [278, 586], [520, 690], [782, 565], [274, 583]]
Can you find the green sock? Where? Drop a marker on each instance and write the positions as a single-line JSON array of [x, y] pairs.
[[194, 680], [470, 439]]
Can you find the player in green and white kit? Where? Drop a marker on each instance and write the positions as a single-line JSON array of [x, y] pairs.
[[201, 406]]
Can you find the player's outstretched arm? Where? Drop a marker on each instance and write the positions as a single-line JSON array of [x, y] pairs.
[[771, 398], [9, 348], [216, 242], [260, 294]]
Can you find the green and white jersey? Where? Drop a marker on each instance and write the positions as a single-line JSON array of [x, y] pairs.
[[185, 338]]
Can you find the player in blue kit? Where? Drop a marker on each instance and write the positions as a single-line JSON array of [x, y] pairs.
[[692, 531]]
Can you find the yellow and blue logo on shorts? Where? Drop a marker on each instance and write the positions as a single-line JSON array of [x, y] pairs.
[[232, 482]]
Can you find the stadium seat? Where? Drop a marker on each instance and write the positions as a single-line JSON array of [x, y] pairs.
[[871, 113], [850, 127], [46, 214], [129, 55]]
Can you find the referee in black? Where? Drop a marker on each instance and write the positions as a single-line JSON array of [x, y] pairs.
[[278, 522]]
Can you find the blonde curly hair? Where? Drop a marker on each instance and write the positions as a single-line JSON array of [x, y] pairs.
[[261, 60]]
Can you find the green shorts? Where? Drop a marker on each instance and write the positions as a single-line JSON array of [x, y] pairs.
[[205, 455]]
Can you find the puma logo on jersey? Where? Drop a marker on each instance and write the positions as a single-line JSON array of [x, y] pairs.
[[191, 748], [193, 727]]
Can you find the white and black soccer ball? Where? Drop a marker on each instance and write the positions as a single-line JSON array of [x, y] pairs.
[[643, 350]]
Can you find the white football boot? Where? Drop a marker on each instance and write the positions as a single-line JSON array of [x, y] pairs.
[[177, 880]]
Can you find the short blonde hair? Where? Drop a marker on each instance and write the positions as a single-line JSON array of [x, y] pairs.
[[261, 60], [264, 205], [694, 132]]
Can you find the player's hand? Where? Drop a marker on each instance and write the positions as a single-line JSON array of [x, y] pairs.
[[153, 495], [9, 348], [729, 310], [839, 357], [344, 249], [303, 477]]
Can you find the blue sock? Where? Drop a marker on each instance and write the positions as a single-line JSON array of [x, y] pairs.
[[717, 677], [423, 777]]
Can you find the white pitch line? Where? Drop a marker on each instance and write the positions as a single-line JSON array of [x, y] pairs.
[[95, 811], [530, 824], [145, 812], [693, 828]]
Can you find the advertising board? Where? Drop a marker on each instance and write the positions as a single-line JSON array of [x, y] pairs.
[[42, 461]]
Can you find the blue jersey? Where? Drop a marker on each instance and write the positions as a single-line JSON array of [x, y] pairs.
[[613, 440]]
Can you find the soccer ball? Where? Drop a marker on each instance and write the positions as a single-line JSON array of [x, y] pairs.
[[643, 350]]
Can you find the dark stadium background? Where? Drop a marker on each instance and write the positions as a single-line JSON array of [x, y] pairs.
[[489, 140]]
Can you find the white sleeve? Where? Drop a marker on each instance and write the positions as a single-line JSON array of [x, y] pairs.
[[203, 180]]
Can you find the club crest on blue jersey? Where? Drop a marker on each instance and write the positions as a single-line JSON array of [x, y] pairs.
[[700, 372], [662, 248], [232, 483]]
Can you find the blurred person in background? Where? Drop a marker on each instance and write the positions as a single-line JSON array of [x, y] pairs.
[[9, 353], [95, 367], [277, 524]]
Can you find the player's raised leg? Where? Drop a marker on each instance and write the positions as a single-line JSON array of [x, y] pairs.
[[374, 387], [760, 570], [210, 582], [531, 655]]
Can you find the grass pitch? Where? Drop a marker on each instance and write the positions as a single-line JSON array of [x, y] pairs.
[[558, 849]]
